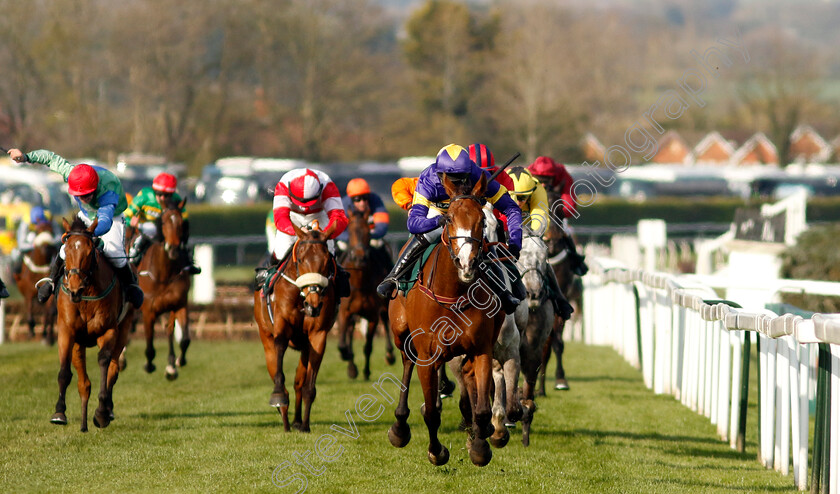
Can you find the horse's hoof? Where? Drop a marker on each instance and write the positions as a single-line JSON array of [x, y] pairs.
[[59, 418], [500, 440], [111, 415], [83, 428], [101, 420], [390, 359], [514, 415], [440, 458], [561, 385], [366, 374], [540, 392], [298, 426], [278, 400], [399, 436], [352, 371], [149, 367], [181, 361], [345, 354], [480, 453], [171, 372]]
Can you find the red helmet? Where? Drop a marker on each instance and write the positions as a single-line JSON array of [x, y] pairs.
[[357, 187], [305, 189], [482, 157], [543, 167], [165, 183], [82, 180]]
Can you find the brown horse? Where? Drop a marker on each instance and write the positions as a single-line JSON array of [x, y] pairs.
[[299, 312], [424, 326], [35, 266], [165, 285], [92, 310], [363, 302], [561, 264]]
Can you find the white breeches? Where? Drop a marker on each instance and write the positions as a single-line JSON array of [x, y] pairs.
[[148, 229]]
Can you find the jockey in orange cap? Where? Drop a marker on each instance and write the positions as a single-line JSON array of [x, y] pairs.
[[360, 198]]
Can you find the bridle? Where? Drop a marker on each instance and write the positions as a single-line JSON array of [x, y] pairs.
[[447, 239], [84, 275], [311, 282]]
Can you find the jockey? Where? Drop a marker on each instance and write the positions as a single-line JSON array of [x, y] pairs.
[[99, 195], [555, 177], [425, 218], [302, 197], [144, 211], [26, 233], [532, 200], [359, 197]]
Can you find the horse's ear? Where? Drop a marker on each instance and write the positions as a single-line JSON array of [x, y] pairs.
[[329, 231], [65, 224], [481, 186], [298, 232], [92, 226], [182, 204], [450, 188]]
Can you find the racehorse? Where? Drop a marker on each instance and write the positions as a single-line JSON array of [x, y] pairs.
[[36, 265], [165, 285], [423, 323], [561, 264], [534, 267], [299, 311], [92, 310], [506, 365], [363, 302]]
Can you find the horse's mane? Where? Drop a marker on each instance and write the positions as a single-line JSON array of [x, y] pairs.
[[78, 225]]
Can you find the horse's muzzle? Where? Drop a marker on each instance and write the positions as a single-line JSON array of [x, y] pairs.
[[312, 311]]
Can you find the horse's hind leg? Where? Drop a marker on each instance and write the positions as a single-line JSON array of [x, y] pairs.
[[464, 404], [482, 375], [80, 362], [500, 436], [368, 349], [275, 350], [171, 368], [300, 379], [107, 346], [346, 327], [317, 344], [389, 346], [149, 317], [427, 374], [65, 348], [546, 356], [558, 345], [184, 321], [400, 433], [30, 316]]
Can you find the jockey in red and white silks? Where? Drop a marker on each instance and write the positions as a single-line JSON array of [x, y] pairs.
[[304, 196]]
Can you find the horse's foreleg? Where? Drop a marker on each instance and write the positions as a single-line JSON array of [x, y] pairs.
[[371, 332], [65, 347], [149, 317], [30, 315], [171, 368], [438, 453], [559, 346], [480, 452], [184, 321], [346, 327], [500, 436], [546, 356], [513, 409], [317, 344], [83, 382], [464, 405], [300, 380], [50, 314], [400, 433], [389, 346], [107, 344]]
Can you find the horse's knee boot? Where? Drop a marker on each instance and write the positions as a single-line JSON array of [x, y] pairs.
[[132, 292]]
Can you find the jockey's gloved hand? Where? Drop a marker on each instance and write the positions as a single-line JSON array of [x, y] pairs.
[[441, 220], [99, 243]]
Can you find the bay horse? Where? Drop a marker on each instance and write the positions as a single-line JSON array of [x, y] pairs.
[[424, 327], [560, 262], [92, 310], [363, 302], [298, 313], [166, 285], [35, 266], [533, 266], [506, 407]]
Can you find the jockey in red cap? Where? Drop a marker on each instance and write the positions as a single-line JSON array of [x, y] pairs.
[[145, 209], [99, 195]]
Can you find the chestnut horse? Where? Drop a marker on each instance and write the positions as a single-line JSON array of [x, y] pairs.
[[92, 310], [423, 323], [299, 312], [562, 266], [36, 266], [165, 285], [363, 302]]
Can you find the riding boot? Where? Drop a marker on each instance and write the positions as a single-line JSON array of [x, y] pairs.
[[17, 262], [498, 281], [416, 245], [132, 291], [261, 274], [138, 247], [56, 272], [342, 281], [190, 267], [579, 267], [3, 292], [562, 307]]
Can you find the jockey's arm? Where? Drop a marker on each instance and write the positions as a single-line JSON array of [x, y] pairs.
[[331, 199], [53, 161], [539, 214], [105, 212], [380, 217], [417, 221], [282, 209], [498, 195]]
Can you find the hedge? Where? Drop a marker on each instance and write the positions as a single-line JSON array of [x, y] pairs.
[[214, 220]]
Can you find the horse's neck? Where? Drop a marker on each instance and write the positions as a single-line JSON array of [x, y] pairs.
[[157, 262], [442, 273]]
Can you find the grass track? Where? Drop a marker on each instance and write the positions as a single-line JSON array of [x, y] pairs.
[[212, 431]]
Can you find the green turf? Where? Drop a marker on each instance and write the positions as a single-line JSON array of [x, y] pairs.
[[213, 431]]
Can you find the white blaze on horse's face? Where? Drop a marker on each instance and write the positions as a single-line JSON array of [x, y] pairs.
[[465, 248]]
